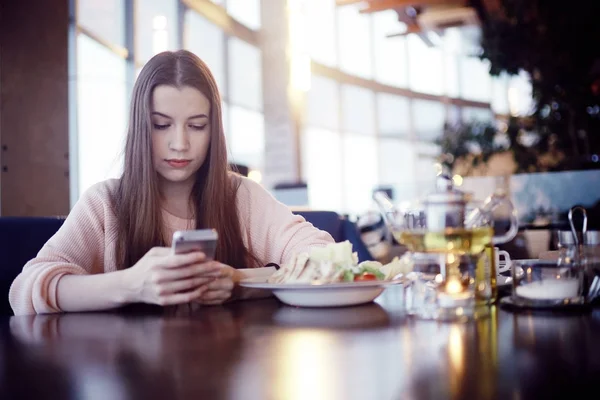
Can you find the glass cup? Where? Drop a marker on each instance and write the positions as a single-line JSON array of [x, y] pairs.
[[443, 287], [489, 266], [547, 283]]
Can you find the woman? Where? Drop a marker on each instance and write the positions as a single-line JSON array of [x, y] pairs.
[[113, 248]]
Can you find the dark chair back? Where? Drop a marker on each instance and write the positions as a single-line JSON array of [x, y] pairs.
[[327, 221], [21, 238], [340, 228]]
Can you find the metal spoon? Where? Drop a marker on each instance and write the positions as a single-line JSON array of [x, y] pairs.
[[573, 230], [594, 290]]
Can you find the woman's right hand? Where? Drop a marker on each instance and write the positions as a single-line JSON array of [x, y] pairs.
[[163, 278]]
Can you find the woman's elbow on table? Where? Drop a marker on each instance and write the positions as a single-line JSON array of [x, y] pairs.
[[34, 289]]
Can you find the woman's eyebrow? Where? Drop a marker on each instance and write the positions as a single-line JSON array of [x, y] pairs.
[[160, 114], [198, 116]]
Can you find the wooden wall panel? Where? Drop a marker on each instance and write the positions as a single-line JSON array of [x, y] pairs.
[[34, 134]]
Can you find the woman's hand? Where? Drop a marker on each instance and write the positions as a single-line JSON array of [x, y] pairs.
[[163, 278], [220, 290]]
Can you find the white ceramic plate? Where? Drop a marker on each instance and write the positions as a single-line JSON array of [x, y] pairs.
[[328, 295]]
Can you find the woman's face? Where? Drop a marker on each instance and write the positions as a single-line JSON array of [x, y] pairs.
[[180, 133]]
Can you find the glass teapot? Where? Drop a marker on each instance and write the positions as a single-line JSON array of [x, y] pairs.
[[446, 221]]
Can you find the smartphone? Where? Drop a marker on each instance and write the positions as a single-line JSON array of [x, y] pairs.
[[204, 240]]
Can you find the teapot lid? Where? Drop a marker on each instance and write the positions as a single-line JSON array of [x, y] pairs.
[[445, 192]]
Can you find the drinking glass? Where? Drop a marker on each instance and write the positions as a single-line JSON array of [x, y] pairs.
[[547, 283], [443, 287]]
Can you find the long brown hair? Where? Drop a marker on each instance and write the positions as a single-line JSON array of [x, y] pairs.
[[137, 200]]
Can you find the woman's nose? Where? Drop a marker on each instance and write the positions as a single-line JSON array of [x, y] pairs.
[[179, 140]]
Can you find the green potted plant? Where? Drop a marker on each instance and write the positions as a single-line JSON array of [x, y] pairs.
[[556, 44]]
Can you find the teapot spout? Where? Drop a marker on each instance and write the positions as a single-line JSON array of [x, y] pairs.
[[386, 208]]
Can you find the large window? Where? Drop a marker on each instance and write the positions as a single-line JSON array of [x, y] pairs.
[[354, 38], [358, 110], [397, 167], [424, 179], [156, 28], [476, 114], [375, 108], [387, 136], [393, 113], [247, 141], [475, 79], [359, 147], [390, 52], [246, 120], [245, 11], [322, 108], [321, 165], [452, 48], [105, 20], [245, 80], [321, 38], [101, 112], [428, 119], [322, 168], [425, 67], [206, 40], [453, 115], [360, 171]]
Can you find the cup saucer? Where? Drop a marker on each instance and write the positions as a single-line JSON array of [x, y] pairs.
[[515, 304]]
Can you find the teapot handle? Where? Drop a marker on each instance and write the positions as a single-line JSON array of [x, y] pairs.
[[512, 231], [480, 217]]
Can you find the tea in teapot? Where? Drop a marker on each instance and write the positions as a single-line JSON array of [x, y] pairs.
[[446, 226]]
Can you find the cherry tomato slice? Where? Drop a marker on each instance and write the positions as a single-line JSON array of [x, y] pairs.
[[366, 276]]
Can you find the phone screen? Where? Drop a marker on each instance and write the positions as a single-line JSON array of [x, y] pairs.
[[204, 240]]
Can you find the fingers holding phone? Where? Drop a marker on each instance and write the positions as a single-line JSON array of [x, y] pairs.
[[221, 289], [204, 240], [184, 266], [178, 275]]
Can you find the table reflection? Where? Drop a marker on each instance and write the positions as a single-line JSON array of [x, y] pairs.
[[367, 316], [168, 351], [306, 366], [264, 349], [545, 337]]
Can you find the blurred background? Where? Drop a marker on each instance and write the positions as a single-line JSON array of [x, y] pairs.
[[324, 101]]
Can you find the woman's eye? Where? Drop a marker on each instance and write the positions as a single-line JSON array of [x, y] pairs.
[[159, 126], [198, 127]]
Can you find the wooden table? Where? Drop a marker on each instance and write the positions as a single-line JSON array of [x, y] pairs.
[[264, 350]]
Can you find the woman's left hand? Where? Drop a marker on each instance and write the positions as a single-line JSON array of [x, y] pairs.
[[220, 289]]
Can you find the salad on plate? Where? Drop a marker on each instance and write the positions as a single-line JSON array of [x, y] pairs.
[[335, 263]]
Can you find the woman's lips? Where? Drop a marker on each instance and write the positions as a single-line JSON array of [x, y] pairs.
[[178, 163]]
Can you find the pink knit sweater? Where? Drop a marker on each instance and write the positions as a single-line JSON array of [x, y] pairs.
[[85, 244]]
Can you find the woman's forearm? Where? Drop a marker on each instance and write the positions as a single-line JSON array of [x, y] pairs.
[[94, 292], [79, 293]]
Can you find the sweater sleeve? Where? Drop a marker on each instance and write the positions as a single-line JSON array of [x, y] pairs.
[[274, 233], [76, 248]]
